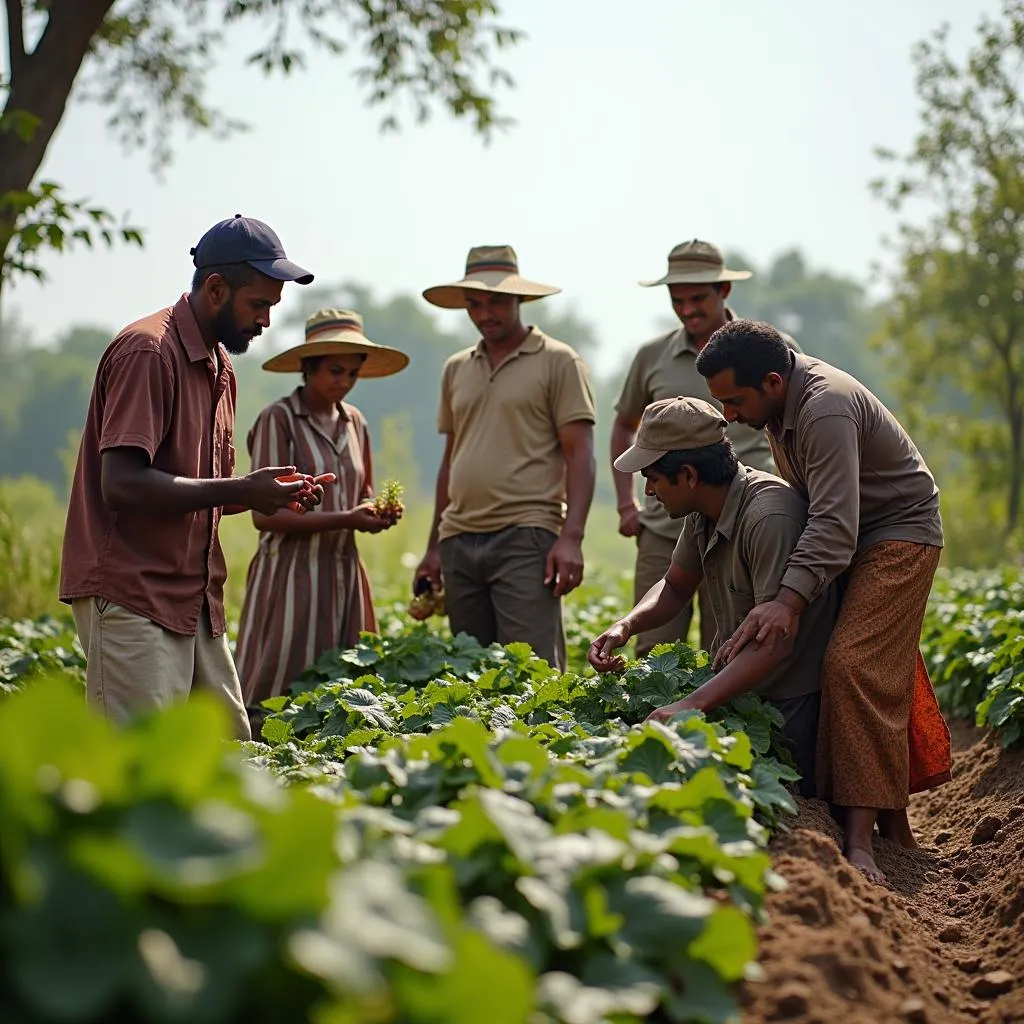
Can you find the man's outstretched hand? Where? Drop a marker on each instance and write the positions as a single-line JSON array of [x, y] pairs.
[[600, 655], [669, 711]]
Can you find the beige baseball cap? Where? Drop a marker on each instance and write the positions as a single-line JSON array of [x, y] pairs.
[[672, 425]]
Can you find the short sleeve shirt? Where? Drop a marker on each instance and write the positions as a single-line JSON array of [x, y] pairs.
[[507, 467], [159, 389], [863, 477], [743, 559], [667, 368]]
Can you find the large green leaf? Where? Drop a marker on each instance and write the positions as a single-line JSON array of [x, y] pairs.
[[705, 998], [727, 943], [71, 953], [608, 997], [652, 757], [484, 982], [660, 918], [369, 706]]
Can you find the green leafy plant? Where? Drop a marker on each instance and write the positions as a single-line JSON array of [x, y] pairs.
[[32, 648], [973, 642]]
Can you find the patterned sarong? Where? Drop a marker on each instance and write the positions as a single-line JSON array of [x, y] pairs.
[[881, 735]]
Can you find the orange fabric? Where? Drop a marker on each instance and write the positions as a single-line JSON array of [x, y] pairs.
[[931, 756]]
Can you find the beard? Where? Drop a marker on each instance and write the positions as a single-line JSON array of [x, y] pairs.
[[230, 333]]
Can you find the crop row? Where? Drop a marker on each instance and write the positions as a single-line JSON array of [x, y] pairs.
[[973, 642], [432, 832]]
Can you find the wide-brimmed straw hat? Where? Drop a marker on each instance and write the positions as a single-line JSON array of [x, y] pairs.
[[489, 268], [697, 262], [339, 332]]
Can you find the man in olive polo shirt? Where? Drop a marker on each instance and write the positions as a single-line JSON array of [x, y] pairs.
[[740, 527], [517, 475], [142, 566], [699, 284], [873, 520]]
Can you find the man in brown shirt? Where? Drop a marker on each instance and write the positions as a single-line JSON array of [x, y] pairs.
[[517, 475], [142, 566], [739, 528], [699, 285], [874, 520]]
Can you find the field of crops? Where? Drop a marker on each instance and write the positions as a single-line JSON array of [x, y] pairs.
[[428, 831], [974, 645]]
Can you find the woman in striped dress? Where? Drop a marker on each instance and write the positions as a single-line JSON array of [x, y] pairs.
[[307, 589]]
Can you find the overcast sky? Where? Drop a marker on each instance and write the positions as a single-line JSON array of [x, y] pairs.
[[639, 125]]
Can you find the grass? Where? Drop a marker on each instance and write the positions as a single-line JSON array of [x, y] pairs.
[[31, 527]]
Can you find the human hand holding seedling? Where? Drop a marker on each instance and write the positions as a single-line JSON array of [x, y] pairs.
[[388, 504], [366, 519]]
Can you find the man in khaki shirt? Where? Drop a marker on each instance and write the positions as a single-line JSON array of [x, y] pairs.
[[740, 527], [873, 520], [517, 475], [699, 285]]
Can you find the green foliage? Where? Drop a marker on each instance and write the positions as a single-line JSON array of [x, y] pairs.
[[45, 395], [46, 221], [30, 648], [147, 876], [955, 330], [425, 827], [459, 826], [31, 524], [146, 62], [973, 643], [149, 60]]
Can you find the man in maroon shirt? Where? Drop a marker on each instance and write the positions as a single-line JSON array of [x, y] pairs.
[[142, 566]]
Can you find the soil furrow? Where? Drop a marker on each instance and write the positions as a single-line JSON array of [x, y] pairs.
[[943, 942]]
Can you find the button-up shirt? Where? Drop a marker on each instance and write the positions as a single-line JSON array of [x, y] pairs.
[[743, 559], [863, 477], [158, 388]]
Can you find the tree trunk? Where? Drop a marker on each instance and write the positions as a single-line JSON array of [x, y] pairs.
[[41, 83]]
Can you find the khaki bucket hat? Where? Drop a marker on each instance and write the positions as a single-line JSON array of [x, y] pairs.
[[489, 268], [697, 262], [339, 332], [672, 425]]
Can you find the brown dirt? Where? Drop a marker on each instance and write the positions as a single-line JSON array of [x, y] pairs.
[[836, 949]]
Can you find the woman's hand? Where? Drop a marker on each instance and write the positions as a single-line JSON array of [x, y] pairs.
[[365, 519]]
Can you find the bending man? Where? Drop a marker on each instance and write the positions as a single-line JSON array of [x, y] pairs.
[[874, 520], [740, 528]]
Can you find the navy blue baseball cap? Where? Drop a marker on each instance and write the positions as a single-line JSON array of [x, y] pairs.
[[247, 240]]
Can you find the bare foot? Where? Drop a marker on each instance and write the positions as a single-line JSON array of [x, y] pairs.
[[895, 826], [864, 861]]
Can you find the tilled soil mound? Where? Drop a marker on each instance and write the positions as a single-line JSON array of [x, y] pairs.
[[942, 942]]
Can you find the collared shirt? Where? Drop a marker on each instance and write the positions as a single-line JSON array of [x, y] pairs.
[[743, 559], [507, 466], [667, 368], [157, 388], [864, 479]]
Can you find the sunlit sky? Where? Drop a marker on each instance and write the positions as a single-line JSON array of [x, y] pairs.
[[751, 123]]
